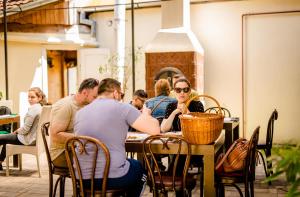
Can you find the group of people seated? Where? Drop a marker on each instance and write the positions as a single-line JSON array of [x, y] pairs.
[[97, 110]]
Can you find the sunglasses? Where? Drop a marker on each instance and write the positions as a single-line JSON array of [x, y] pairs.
[[185, 90], [143, 100]]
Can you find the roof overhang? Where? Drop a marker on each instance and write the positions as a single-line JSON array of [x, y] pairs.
[[23, 6]]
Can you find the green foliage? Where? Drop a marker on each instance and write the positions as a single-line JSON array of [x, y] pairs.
[[112, 70], [1, 95], [286, 161]]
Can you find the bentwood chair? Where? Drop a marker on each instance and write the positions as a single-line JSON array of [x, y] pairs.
[[163, 181], [267, 146], [63, 173], [224, 110], [246, 176], [77, 148]]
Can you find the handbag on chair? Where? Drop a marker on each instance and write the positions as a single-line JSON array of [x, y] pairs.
[[234, 158]]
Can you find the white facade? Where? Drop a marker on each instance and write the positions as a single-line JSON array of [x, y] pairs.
[[271, 58]]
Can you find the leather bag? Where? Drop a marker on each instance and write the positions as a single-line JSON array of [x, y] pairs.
[[234, 158]]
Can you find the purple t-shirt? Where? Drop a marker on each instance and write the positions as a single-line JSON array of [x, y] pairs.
[[107, 120]]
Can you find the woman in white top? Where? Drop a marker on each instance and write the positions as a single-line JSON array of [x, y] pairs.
[[25, 135]]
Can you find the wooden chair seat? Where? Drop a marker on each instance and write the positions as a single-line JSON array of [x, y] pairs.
[[168, 182], [109, 193]]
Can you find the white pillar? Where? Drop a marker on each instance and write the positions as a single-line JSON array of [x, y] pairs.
[[119, 18]]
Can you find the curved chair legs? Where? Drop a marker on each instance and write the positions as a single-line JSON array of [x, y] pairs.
[[238, 189], [264, 163], [61, 180], [50, 185]]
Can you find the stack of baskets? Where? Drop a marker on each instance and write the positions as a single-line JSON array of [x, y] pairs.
[[201, 128]]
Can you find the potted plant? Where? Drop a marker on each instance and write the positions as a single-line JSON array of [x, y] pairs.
[[286, 161]]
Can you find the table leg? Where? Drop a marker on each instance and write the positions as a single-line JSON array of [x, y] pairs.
[[209, 178], [236, 133], [228, 138], [15, 157]]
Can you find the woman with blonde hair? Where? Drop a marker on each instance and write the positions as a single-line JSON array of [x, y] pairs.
[[25, 135], [158, 104]]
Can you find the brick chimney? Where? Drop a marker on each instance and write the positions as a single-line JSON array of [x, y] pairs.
[[175, 48]]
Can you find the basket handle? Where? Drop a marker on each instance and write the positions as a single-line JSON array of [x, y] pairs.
[[203, 95]]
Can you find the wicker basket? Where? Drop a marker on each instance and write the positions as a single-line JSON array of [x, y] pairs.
[[201, 128]]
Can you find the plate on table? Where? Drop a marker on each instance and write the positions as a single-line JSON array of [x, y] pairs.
[[179, 133], [5, 116], [136, 136], [231, 119]]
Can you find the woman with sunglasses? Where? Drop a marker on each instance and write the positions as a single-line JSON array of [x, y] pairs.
[[171, 122]]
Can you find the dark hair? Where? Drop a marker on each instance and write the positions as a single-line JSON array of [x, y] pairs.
[[182, 80], [88, 83], [39, 93], [162, 87], [108, 85], [177, 76], [140, 93]]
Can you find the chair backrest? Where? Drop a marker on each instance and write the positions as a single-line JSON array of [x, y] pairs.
[[45, 133], [4, 110], [270, 129], [75, 148], [7, 103], [171, 145], [249, 170], [224, 110], [44, 117]]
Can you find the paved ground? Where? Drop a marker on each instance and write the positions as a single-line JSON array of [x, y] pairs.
[[27, 182]]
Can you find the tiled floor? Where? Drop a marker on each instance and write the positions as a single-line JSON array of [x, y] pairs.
[[27, 182]]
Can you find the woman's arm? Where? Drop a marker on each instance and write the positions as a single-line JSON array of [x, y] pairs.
[[171, 112], [31, 115], [166, 124]]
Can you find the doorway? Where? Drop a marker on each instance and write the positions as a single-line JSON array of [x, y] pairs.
[[62, 74]]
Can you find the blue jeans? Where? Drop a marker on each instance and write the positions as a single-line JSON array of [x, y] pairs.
[[133, 182]]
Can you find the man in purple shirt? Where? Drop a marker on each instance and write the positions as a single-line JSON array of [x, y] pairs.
[[108, 120]]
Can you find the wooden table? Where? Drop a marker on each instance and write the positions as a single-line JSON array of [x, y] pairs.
[[231, 132], [208, 151], [15, 120], [10, 119]]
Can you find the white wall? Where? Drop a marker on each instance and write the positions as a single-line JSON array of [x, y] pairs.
[[218, 27], [275, 64], [24, 71]]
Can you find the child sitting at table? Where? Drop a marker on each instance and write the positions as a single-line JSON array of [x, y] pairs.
[[25, 135]]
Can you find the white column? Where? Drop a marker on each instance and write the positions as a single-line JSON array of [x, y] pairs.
[[119, 19]]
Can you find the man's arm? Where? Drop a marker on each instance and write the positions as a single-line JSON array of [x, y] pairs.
[[58, 134], [61, 115], [146, 123]]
